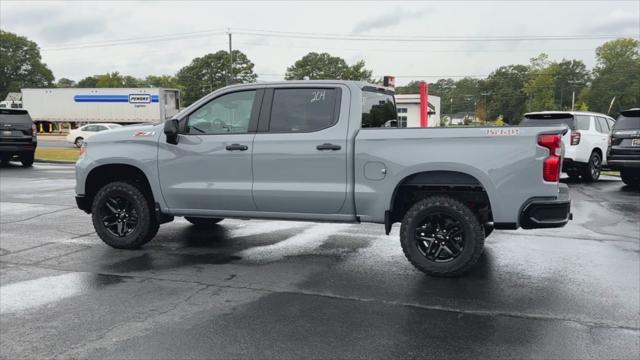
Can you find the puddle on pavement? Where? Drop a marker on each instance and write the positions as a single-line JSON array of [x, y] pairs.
[[149, 261], [34, 293]]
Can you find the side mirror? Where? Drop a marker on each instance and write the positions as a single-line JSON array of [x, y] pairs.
[[171, 131]]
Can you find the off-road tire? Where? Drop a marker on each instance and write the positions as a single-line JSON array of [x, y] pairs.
[[591, 171], [630, 177], [473, 232], [147, 226], [27, 159], [203, 222]]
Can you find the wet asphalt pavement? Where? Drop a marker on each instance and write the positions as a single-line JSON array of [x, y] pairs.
[[272, 289]]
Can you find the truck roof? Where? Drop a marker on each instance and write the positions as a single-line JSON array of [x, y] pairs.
[[356, 83]]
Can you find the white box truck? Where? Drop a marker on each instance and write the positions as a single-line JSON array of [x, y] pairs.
[[104, 105]]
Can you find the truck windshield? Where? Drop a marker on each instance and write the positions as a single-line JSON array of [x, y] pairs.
[[378, 109]]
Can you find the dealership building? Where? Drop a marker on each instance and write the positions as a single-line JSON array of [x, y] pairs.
[[408, 106]]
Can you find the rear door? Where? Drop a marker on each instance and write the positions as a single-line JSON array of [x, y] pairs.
[[625, 136], [300, 151]]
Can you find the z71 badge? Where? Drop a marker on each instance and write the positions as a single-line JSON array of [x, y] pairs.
[[144, 133]]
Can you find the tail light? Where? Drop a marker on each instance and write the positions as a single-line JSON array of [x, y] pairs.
[[551, 165], [575, 137], [34, 130]]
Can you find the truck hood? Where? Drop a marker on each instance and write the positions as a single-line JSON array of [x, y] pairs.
[[144, 132]]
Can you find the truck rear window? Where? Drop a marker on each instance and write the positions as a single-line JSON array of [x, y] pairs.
[[579, 122], [378, 110], [14, 116], [627, 123]]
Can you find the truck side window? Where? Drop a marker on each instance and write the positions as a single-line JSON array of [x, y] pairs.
[[378, 110], [302, 110], [604, 126], [228, 113], [582, 122]]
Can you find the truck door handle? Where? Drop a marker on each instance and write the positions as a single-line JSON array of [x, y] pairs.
[[237, 147], [327, 146]]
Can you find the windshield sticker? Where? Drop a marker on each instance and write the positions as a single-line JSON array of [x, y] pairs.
[[502, 132]]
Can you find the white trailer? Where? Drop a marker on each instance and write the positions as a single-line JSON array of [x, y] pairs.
[[112, 105]]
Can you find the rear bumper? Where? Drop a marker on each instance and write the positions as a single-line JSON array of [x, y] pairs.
[[570, 164], [547, 212], [617, 163], [16, 148]]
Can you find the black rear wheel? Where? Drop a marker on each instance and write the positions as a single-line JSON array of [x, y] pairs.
[[630, 177], [27, 159], [122, 216], [203, 222], [591, 171], [441, 236]]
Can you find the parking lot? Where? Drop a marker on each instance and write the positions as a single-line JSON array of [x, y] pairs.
[[272, 289]]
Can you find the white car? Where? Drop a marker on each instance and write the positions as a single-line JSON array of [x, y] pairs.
[[79, 135], [585, 143]]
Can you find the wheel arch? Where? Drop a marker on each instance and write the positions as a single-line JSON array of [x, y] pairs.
[[458, 184], [104, 174]]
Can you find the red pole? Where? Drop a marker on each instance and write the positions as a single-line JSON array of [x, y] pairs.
[[424, 101]]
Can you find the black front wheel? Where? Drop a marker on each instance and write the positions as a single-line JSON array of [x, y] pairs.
[[441, 236], [203, 222], [122, 216]]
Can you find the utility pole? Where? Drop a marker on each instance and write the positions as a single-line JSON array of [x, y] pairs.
[[230, 75], [573, 100]]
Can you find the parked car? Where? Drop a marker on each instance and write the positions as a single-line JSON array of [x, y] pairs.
[[18, 136], [624, 148], [585, 144], [319, 151], [79, 135]]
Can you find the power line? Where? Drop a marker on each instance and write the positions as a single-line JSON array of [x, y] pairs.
[[411, 38], [326, 36]]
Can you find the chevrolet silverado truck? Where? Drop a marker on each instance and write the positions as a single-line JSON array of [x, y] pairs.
[[319, 151]]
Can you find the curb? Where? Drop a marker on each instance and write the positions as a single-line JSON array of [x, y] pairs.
[[53, 161]]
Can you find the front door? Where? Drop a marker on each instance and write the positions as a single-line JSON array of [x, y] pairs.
[[300, 151], [210, 167]]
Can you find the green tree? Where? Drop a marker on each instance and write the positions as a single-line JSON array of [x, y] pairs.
[[571, 76], [163, 81], [326, 67], [88, 82], [110, 80], [65, 83], [413, 87], [210, 72], [617, 73], [21, 65], [506, 97]]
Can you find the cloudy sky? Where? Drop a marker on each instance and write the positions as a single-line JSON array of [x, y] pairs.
[[141, 38]]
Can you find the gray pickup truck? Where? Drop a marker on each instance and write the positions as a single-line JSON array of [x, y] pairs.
[[319, 151]]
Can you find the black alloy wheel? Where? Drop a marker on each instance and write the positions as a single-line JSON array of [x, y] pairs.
[[440, 237], [119, 216]]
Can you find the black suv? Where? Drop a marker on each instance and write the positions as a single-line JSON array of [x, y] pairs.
[[624, 147], [17, 136]]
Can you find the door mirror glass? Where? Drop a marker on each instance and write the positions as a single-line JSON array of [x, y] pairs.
[[171, 131]]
